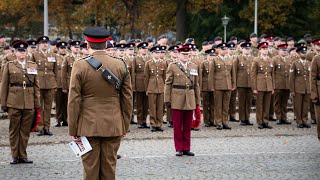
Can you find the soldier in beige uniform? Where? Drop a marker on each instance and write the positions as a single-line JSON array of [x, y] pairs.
[[138, 85], [19, 97], [155, 74], [61, 98], [254, 44], [315, 83], [47, 69], [173, 57], [232, 106], [242, 67], [280, 81], [182, 95], [222, 81], [206, 91], [310, 55], [261, 77], [84, 50], [97, 108], [300, 87]]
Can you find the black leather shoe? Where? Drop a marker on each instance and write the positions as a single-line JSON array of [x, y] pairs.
[[58, 125], [153, 129], [47, 132], [14, 161], [195, 129], [260, 126], [226, 127], [207, 125], [280, 122], [132, 122], [233, 119], [179, 153], [306, 126], [64, 123], [267, 126], [188, 153], [313, 121], [272, 119], [25, 161], [243, 123], [159, 129], [165, 122], [249, 123], [300, 126], [170, 125], [118, 156], [219, 127], [40, 133], [284, 121], [144, 125]]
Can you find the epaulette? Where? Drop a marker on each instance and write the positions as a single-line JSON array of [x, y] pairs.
[[31, 62], [85, 58]]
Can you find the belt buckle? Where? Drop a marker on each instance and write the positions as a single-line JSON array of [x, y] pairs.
[[24, 85], [187, 87]]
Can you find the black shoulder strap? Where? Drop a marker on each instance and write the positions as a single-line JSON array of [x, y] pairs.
[[107, 74], [181, 68]]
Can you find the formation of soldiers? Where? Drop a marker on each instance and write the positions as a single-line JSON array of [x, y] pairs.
[[265, 70]]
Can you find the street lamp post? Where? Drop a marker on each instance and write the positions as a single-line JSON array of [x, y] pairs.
[[225, 21], [45, 24], [256, 17]]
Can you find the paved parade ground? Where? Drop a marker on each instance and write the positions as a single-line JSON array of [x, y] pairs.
[[284, 152]]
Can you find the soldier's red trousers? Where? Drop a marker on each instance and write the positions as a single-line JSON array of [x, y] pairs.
[[182, 121]]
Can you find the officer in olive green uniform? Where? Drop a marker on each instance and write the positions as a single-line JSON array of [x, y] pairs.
[[300, 87], [261, 77], [47, 73], [232, 106], [222, 81], [206, 91], [242, 67], [155, 74], [173, 57], [281, 87], [315, 83], [310, 55], [20, 95], [61, 98], [138, 85]]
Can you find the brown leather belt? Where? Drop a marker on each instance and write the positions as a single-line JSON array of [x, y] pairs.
[[182, 87]]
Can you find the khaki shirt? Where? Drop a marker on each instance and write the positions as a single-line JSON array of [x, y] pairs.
[[95, 107], [182, 99], [204, 75], [60, 59], [47, 69], [242, 66], [261, 74], [155, 76], [138, 75], [66, 70], [13, 93], [280, 73], [315, 77], [299, 77], [222, 74]]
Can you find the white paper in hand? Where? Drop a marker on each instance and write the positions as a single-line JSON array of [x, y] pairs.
[[80, 148]]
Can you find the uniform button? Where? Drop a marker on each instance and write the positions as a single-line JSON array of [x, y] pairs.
[[45, 72], [24, 75]]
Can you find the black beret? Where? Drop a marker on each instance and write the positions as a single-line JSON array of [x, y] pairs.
[[43, 39], [252, 35], [204, 43], [231, 45], [222, 45], [75, 43], [121, 46], [233, 38], [307, 36], [109, 45], [83, 45], [20, 45], [32, 42], [178, 43], [143, 45], [156, 49], [218, 38], [302, 49], [173, 48], [61, 44], [246, 45], [130, 45], [210, 51], [290, 39]]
